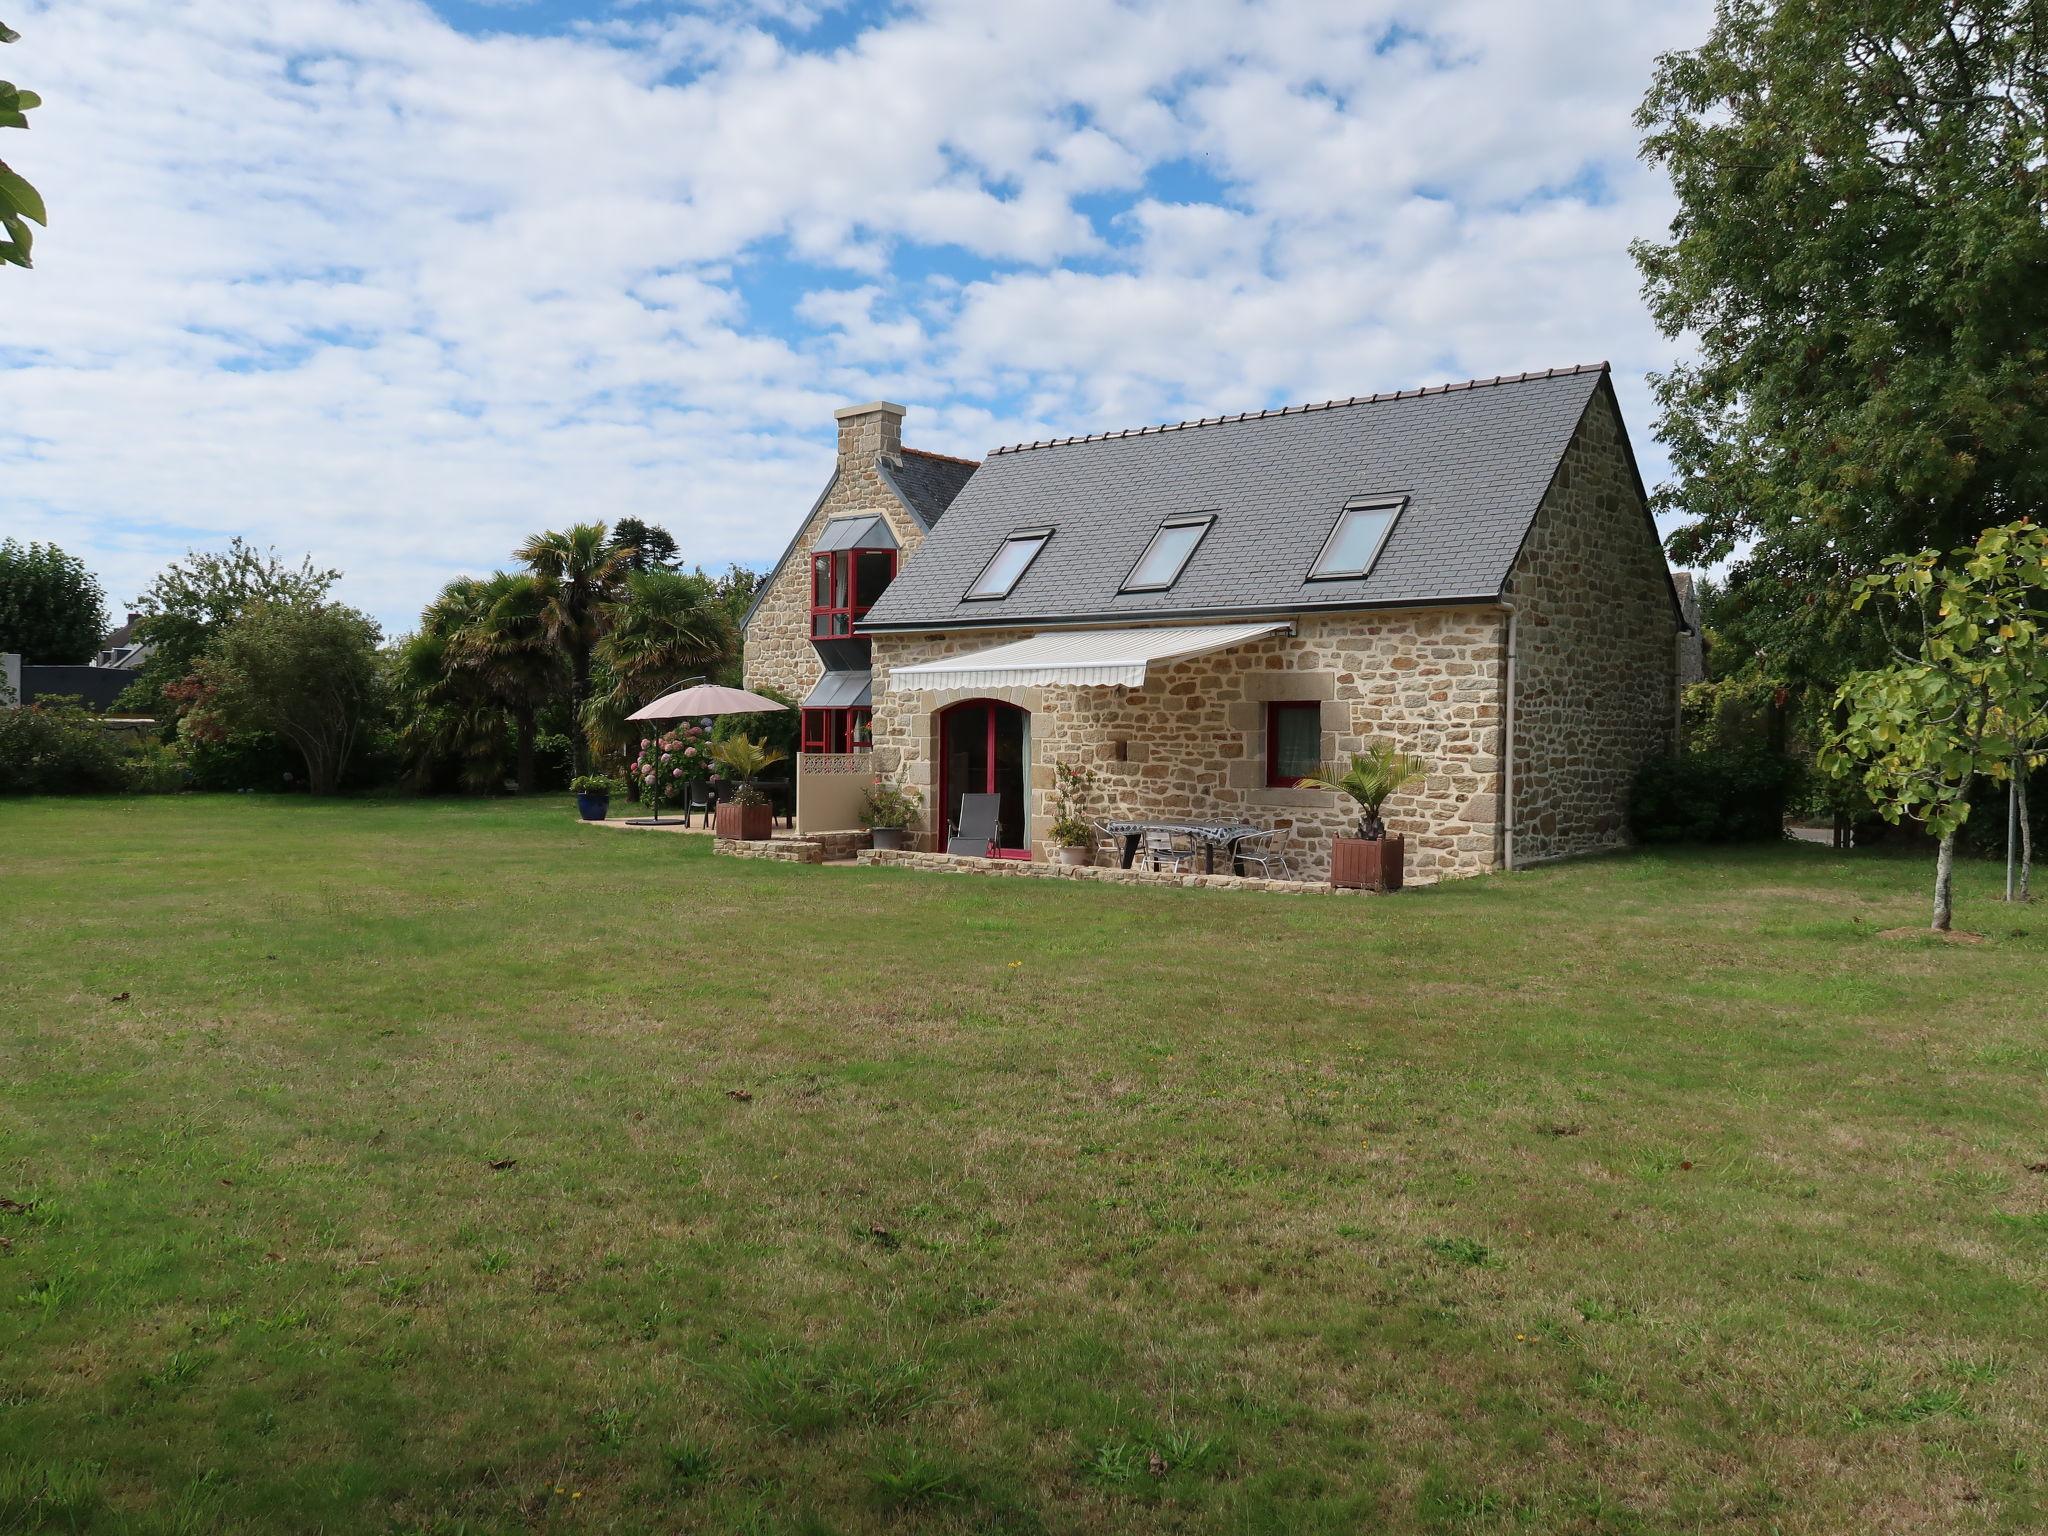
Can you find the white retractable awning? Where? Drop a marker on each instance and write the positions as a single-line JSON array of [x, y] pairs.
[[1103, 658]]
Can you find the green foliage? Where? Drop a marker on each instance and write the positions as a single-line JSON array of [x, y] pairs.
[[192, 600], [579, 575], [746, 760], [20, 203], [1372, 778], [307, 672], [781, 730], [52, 610], [1074, 784], [238, 760], [646, 546], [1917, 732], [1856, 264], [55, 746], [1713, 795], [590, 784], [470, 686], [887, 805], [664, 629], [156, 769]]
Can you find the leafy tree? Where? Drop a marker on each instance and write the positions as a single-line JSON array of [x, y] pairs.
[[1919, 731], [51, 608], [580, 575], [1858, 258], [194, 599], [646, 546], [482, 660], [19, 202], [307, 672], [666, 628]]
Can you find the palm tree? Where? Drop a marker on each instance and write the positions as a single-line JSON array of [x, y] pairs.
[[580, 574], [506, 646], [450, 713], [667, 627], [1374, 776]]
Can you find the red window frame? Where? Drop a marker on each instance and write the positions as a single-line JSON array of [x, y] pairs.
[[1275, 779], [835, 577], [837, 730]]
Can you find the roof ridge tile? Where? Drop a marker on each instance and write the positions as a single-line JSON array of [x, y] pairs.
[[1573, 371]]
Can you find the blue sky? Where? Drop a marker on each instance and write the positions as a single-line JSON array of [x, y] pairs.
[[395, 283]]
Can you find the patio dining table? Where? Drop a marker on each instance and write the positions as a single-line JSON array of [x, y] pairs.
[[1210, 834]]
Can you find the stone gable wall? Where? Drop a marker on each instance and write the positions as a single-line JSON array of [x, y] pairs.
[[1192, 741], [1596, 657], [779, 653]]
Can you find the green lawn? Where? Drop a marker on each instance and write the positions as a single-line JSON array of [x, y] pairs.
[[392, 1167]]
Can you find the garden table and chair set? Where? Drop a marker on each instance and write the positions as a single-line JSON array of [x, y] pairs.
[[1168, 846]]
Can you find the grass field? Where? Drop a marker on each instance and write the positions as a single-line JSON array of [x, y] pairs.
[[449, 1167]]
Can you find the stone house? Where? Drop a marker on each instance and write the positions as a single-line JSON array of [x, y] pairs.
[[1202, 613]]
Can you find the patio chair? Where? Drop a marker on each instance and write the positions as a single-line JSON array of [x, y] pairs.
[[1258, 851], [980, 817], [1168, 848], [700, 796], [1109, 846]]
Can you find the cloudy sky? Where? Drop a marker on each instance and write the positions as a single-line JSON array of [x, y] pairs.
[[396, 282]]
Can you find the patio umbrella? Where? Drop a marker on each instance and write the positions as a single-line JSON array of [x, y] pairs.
[[695, 702]]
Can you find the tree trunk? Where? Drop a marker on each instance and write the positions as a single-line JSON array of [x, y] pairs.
[[523, 724], [579, 695], [1944, 879], [2026, 839]]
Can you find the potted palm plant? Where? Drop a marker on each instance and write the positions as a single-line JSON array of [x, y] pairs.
[[746, 815], [887, 812], [1372, 860], [593, 792]]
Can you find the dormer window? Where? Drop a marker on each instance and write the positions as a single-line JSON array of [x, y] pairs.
[[1168, 553], [1006, 567], [1355, 543]]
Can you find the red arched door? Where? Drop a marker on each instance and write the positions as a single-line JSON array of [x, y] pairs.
[[983, 745]]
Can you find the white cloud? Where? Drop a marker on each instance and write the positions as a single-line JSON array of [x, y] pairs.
[[340, 277]]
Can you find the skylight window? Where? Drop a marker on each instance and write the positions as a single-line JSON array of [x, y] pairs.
[[1007, 567], [1355, 543], [1168, 554]]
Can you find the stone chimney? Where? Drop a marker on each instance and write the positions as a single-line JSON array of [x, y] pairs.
[[868, 432]]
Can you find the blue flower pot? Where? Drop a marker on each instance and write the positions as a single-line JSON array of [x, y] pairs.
[[593, 807]]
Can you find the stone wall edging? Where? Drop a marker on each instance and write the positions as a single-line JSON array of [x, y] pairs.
[[960, 864]]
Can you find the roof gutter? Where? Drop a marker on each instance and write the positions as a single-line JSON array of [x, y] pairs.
[[1169, 616]]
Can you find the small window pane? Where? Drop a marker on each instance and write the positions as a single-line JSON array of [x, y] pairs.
[[1297, 741], [1161, 564], [1355, 542], [1010, 563], [821, 581], [871, 572]]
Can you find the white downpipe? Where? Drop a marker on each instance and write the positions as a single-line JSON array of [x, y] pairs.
[[1507, 752]]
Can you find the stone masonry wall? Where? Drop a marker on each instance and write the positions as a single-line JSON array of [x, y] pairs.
[[1596, 663], [779, 653], [1192, 741]]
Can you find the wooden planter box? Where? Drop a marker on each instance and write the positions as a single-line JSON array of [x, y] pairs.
[[745, 823], [1356, 864]]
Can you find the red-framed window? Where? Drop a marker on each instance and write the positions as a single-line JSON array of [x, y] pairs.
[[845, 584], [1294, 742], [838, 730]]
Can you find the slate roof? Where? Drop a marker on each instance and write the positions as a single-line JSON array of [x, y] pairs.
[[1473, 461], [928, 482]]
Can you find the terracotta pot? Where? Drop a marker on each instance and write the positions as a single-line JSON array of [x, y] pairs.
[[1081, 855], [887, 837], [745, 823], [1356, 864]]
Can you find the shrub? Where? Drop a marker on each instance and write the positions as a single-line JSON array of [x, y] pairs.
[[590, 784], [241, 760], [1713, 796], [884, 805], [157, 770], [57, 747]]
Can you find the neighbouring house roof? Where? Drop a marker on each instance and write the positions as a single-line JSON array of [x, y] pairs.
[[1078, 657], [841, 690], [927, 483], [1468, 463]]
